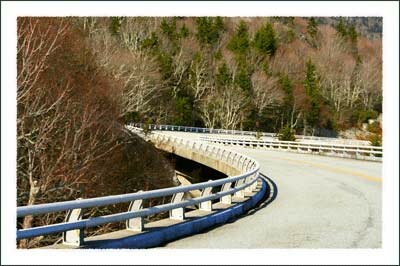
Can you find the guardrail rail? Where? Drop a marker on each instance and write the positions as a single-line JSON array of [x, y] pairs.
[[73, 226], [358, 149], [372, 153], [245, 133]]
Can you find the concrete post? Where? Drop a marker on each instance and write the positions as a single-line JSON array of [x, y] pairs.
[[135, 224], [249, 188], [74, 237], [206, 205], [179, 213], [228, 198], [254, 185], [239, 193]]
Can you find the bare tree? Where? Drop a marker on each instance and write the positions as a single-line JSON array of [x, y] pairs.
[[136, 29], [231, 102], [141, 81], [136, 69], [370, 73], [198, 76], [266, 91], [223, 107], [336, 67], [208, 109], [370, 82], [35, 44], [59, 139]]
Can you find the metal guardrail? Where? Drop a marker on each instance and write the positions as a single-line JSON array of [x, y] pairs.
[[72, 227], [242, 133], [373, 153]]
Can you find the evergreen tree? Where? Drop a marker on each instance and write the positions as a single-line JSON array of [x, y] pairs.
[[312, 91], [150, 42], [287, 134], [184, 31], [184, 110], [288, 99], [290, 36], [242, 79], [240, 40], [341, 28], [169, 28], [219, 24], [115, 26], [353, 37], [265, 40], [209, 29], [165, 62], [311, 81], [203, 27], [312, 27], [288, 20], [223, 76], [287, 87], [352, 33]]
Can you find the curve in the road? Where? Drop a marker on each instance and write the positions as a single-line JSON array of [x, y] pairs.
[[323, 202]]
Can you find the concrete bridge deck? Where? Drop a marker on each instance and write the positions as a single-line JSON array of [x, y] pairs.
[[322, 202]]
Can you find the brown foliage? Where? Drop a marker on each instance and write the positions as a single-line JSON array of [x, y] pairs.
[[70, 142]]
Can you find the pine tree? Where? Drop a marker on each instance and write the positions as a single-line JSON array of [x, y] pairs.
[[287, 87], [184, 31], [265, 40], [240, 40], [353, 37], [150, 42], [312, 27], [169, 28], [219, 24], [115, 26], [209, 29], [352, 33], [310, 83], [223, 76], [288, 20], [341, 28], [288, 99], [242, 79], [203, 25], [312, 91]]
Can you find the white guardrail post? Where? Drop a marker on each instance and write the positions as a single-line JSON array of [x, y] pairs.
[[240, 193], [228, 198], [206, 205], [135, 224], [74, 237], [179, 213]]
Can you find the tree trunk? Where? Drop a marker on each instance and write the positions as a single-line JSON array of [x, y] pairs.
[[33, 191]]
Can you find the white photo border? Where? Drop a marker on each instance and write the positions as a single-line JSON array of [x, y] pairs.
[[388, 254]]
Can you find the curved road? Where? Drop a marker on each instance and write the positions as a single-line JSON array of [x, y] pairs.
[[322, 202]]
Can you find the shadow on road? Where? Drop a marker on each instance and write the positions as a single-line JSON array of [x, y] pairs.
[[270, 196]]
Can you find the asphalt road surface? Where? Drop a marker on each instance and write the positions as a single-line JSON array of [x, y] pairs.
[[322, 202]]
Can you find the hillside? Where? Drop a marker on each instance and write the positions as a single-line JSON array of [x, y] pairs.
[[70, 141], [248, 73], [370, 27]]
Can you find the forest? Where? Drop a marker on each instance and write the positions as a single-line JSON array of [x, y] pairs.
[[241, 73], [81, 79]]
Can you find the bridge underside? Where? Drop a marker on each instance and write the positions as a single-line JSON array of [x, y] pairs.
[[197, 157]]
